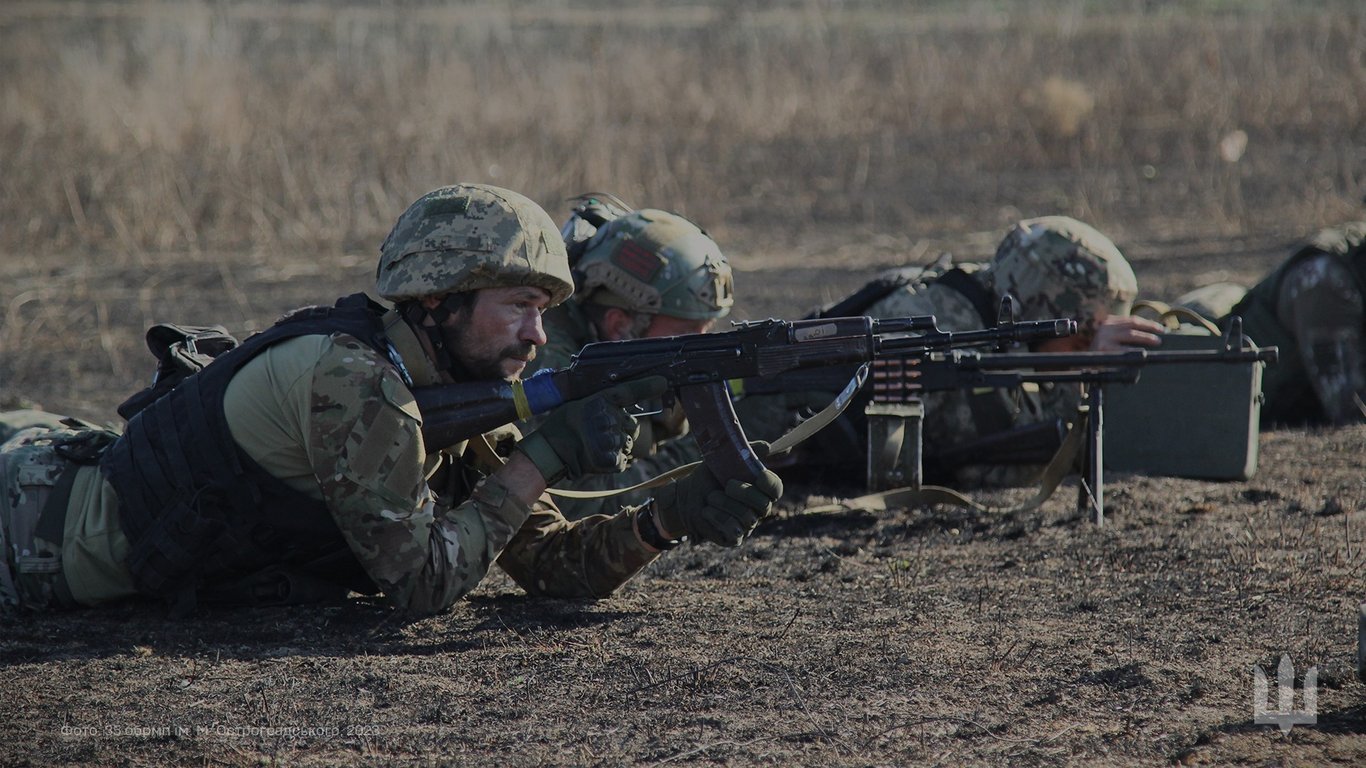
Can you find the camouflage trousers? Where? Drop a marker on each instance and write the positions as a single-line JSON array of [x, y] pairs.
[[30, 470], [13, 421]]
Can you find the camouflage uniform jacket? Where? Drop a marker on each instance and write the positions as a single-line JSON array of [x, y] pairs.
[[954, 418], [331, 417], [663, 443]]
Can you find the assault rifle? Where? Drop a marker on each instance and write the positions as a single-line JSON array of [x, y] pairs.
[[906, 378], [698, 367]]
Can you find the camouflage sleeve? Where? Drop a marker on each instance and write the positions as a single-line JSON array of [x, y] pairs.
[[365, 447], [553, 557], [1323, 308], [950, 420]]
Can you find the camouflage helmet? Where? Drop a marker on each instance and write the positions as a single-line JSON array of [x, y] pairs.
[[1056, 266], [471, 236], [656, 262]]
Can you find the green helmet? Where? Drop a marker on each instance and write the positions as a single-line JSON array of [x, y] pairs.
[[471, 236], [658, 263], [1056, 266]]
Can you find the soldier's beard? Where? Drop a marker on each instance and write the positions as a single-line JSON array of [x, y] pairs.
[[473, 361]]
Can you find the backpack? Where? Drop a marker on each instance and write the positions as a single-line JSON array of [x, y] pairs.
[[942, 272], [181, 351]]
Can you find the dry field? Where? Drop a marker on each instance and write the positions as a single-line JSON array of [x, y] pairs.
[[225, 161]]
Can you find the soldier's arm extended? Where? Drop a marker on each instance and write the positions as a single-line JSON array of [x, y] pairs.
[[365, 446], [591, 557]]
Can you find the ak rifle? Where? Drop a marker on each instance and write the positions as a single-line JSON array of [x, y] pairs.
[[697, 368]]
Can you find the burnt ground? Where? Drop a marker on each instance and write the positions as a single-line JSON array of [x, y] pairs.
[[916, 636]]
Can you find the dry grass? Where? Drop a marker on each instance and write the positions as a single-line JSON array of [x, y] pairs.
[[136, 128], [219, 162]]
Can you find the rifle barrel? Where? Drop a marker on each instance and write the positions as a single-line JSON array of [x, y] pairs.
[[1031, 330], [904, 324], [1128, 358]]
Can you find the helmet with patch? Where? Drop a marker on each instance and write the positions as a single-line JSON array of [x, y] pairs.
[[1055, 266], [471, 236], [655, 262]]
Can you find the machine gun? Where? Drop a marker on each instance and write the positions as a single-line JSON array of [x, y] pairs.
[[904, 379], [698, 367]]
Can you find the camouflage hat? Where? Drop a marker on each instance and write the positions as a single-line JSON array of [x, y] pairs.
[[1056, 266], [471, 236], [656, 262]]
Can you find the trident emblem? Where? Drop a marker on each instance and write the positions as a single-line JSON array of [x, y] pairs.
[[1285, 715]]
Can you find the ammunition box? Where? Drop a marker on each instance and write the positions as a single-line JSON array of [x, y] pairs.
[[1188, 420]]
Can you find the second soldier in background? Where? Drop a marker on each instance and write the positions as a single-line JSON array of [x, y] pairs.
[[637, 274]]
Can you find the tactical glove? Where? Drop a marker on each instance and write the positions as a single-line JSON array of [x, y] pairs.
[[700, 508], [589, 436]]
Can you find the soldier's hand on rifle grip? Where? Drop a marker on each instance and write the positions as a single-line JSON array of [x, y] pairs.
[[701, 509], [594, 435]]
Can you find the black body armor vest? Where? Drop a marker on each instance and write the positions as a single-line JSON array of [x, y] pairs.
[[203, 519]]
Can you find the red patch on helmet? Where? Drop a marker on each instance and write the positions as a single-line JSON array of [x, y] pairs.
[[638, 261]]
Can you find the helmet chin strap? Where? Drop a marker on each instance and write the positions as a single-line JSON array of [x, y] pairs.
[[438, 335]]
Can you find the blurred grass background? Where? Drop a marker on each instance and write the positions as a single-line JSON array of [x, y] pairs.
[[218, 161], [137, 127]]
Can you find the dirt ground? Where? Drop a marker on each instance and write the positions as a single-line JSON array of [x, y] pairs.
[[918, 636], [227, 161]]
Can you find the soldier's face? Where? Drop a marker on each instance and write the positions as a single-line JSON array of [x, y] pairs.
[[498, 334]]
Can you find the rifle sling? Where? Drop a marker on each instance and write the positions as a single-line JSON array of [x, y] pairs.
[[1058, 468], [1171, 317]]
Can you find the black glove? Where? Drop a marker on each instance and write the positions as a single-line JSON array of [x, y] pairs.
[[698, 507], [589, 436]]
